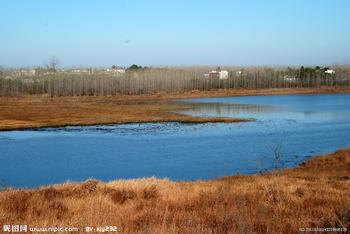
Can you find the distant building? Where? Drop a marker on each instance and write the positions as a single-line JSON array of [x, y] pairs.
[[218, 73], [81, 71], [121, 71], [289, 78], [241, 73], [9, 78], [329, 71], [30, 72], [115, 70], [213, 74], [24, 73], [223, 75]]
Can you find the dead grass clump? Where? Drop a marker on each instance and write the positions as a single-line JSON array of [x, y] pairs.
[[120, 195], [150, 193], [344, 217], [145, 215], [50, 193], [50, 210], [86, 188], [261, 225], [15, 203], [299, 192]]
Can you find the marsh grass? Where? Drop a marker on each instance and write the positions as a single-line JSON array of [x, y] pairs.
[[316, 194]]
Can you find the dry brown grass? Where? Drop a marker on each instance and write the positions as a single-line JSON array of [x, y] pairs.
[[35, 111], [43, 111], [316, 194]]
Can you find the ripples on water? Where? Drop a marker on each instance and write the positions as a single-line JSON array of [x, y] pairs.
[[305, 125]]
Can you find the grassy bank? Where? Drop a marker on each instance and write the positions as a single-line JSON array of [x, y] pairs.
[[43, 111], [315, 194]]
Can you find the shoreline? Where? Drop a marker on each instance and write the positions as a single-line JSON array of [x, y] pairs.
[[316, 190], [32, 112], [257, 92], [196, 120]]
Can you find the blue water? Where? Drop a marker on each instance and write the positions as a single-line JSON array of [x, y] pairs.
[[303, 125]]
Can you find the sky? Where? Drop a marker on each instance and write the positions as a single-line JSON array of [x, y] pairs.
[[100, 33]]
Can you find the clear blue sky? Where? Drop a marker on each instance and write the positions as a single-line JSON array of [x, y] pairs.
[[174, 32]]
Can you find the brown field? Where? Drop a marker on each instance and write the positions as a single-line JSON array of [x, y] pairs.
[[43, 111], [315, 194]]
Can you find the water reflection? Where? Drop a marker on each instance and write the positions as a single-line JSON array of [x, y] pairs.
[[304, 108], [228, 109]]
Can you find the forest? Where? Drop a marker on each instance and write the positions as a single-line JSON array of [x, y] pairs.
[[138, 80]]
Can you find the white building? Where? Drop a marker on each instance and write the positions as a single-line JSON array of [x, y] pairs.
[[223, 75], [121, 71], [330, 71], [115, 70], [289, 78]]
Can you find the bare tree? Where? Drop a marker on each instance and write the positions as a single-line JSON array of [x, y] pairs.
[[171, 80], [52, 63]]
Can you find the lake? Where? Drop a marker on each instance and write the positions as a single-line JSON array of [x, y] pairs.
[[302, 125]]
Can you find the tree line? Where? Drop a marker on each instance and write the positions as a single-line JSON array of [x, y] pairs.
[[147, 80]]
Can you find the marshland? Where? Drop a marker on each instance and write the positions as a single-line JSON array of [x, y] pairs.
[[175, 116], [186, 162]]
